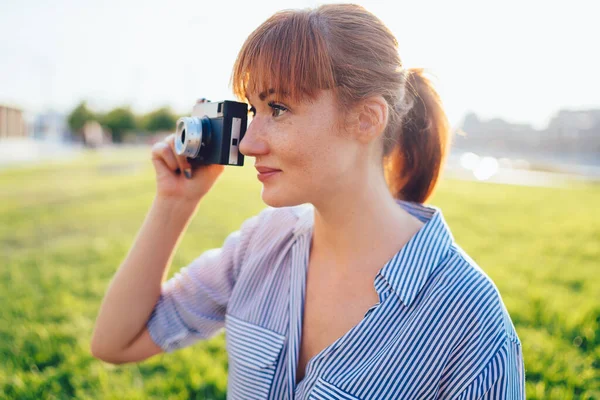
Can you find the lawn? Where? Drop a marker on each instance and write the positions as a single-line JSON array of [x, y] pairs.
[[66, 226]]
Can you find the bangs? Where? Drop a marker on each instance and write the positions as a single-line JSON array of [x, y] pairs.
[[286, 56]]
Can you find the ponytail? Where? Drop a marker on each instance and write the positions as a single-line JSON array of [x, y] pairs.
[[413, 166]]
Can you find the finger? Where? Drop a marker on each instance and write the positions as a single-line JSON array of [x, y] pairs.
[[161, 167], [181, 160], [161, 151]]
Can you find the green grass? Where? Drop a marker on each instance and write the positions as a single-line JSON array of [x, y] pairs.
[[65, 228]]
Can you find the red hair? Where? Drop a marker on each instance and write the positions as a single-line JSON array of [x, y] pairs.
[[297, 53]]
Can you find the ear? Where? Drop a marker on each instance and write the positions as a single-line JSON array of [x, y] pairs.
[[372, 116]]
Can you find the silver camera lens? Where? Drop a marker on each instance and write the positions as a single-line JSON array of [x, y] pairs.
[[188, 137]]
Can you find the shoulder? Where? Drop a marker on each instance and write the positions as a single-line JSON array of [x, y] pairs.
[[287, 215], [264, 237], [474, 298], [280, 221], [484, 344], [273, 227]]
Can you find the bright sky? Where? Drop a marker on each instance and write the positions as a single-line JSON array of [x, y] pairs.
[[520, 60]]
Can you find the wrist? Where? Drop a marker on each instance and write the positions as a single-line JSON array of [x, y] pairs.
[[175, 207]]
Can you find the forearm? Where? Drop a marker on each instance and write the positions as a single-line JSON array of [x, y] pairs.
[[136, 286]]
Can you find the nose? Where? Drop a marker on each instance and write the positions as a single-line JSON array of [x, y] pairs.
[[253, 143]]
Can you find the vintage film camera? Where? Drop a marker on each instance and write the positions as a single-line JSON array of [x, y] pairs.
[[213, 133]]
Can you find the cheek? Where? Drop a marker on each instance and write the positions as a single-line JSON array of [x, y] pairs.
[[314, 151]]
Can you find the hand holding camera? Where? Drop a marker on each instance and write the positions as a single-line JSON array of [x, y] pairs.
[[189, 162], [172, 171]]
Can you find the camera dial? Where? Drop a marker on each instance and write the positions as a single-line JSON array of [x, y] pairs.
[[192, 133]]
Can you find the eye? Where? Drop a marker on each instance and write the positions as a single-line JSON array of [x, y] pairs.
[[278, 109]]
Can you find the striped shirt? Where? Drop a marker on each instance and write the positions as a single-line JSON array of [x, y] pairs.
[[439, 331]]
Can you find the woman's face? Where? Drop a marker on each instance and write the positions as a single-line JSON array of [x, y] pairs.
[[314, 155]]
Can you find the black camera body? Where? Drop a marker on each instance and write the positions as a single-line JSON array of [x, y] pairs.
[[213, 133]]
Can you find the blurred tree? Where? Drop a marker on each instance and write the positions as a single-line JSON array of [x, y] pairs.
[[140, 123], [119, 120], [79, 116], [162, 119]]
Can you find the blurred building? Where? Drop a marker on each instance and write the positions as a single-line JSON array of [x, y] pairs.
[[573, 134], [575, 131], [498, 134], [12, 124], [95, 135], [51, 125]]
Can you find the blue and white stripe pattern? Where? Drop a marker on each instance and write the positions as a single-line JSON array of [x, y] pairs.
[[439, 331]]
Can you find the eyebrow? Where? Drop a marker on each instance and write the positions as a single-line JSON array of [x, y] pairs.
[[263, 95]]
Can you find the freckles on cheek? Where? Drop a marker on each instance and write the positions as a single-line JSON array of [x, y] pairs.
[[300, 157], [314, 164], [305, 148]]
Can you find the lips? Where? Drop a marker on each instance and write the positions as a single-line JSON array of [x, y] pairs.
[[266, 170], [265, 173]]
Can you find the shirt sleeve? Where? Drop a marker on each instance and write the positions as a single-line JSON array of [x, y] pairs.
[[503, 378], [192, 304]]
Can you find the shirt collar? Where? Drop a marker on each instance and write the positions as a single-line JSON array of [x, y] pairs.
[[305, 214], [407, 272]]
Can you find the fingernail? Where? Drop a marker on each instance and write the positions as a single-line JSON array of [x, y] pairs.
[[188, 173]]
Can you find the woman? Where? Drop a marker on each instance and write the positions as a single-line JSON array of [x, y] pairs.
[[348, 286]]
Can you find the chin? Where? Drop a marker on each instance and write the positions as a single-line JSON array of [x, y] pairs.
[[279, 198]]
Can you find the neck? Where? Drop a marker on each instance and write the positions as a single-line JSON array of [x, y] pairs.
[[361, 229]]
